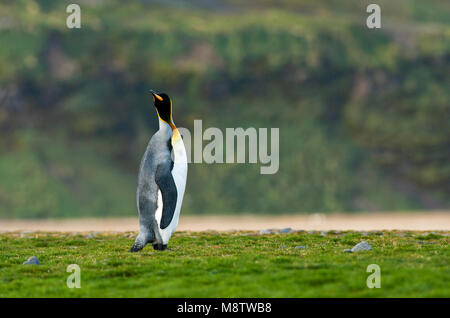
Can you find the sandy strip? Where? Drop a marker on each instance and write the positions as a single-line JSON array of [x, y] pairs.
[[321, 222]]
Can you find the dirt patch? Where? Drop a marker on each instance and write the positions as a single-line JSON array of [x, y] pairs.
[[319, 222]]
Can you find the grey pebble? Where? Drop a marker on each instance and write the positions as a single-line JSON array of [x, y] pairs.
[[362, 246], [91, 235], [33, 260], [300, 247]]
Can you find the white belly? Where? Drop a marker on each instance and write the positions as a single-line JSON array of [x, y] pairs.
[[179, 173]]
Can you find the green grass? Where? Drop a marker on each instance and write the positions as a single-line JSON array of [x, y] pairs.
[[236, 264]]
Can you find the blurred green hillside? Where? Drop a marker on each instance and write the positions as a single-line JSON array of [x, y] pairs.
[[363, 114]]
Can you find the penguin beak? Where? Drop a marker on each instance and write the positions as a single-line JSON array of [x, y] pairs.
[[156, 96]]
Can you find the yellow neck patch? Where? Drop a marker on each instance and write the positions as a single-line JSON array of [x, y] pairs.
[[175, 135]]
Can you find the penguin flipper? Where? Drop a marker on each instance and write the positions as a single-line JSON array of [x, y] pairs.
[[166, 184]]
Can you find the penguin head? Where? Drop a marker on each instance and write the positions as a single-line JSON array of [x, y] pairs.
[[163, 106]]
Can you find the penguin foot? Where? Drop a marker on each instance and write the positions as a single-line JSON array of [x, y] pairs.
[[159, 247], [136, 247]]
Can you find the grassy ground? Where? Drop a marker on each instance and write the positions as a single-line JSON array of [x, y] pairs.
[[233, 264]]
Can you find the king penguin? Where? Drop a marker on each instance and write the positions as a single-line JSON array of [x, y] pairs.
[[161, 180]]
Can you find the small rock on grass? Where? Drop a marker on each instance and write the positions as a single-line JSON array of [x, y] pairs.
[[91, 235], [336, 232], [33, 260], [362, 246], [300, 247], [274, 231], [422, 242]]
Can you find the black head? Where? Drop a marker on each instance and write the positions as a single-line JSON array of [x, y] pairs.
[[163, 106]]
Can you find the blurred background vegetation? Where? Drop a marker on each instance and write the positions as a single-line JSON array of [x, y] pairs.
[[363, 114]]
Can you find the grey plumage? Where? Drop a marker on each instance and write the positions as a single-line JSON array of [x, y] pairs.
[[156, 165], [162, 181]]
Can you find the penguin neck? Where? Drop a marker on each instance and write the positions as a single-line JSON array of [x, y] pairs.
[[165, 129], [174, 136]]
